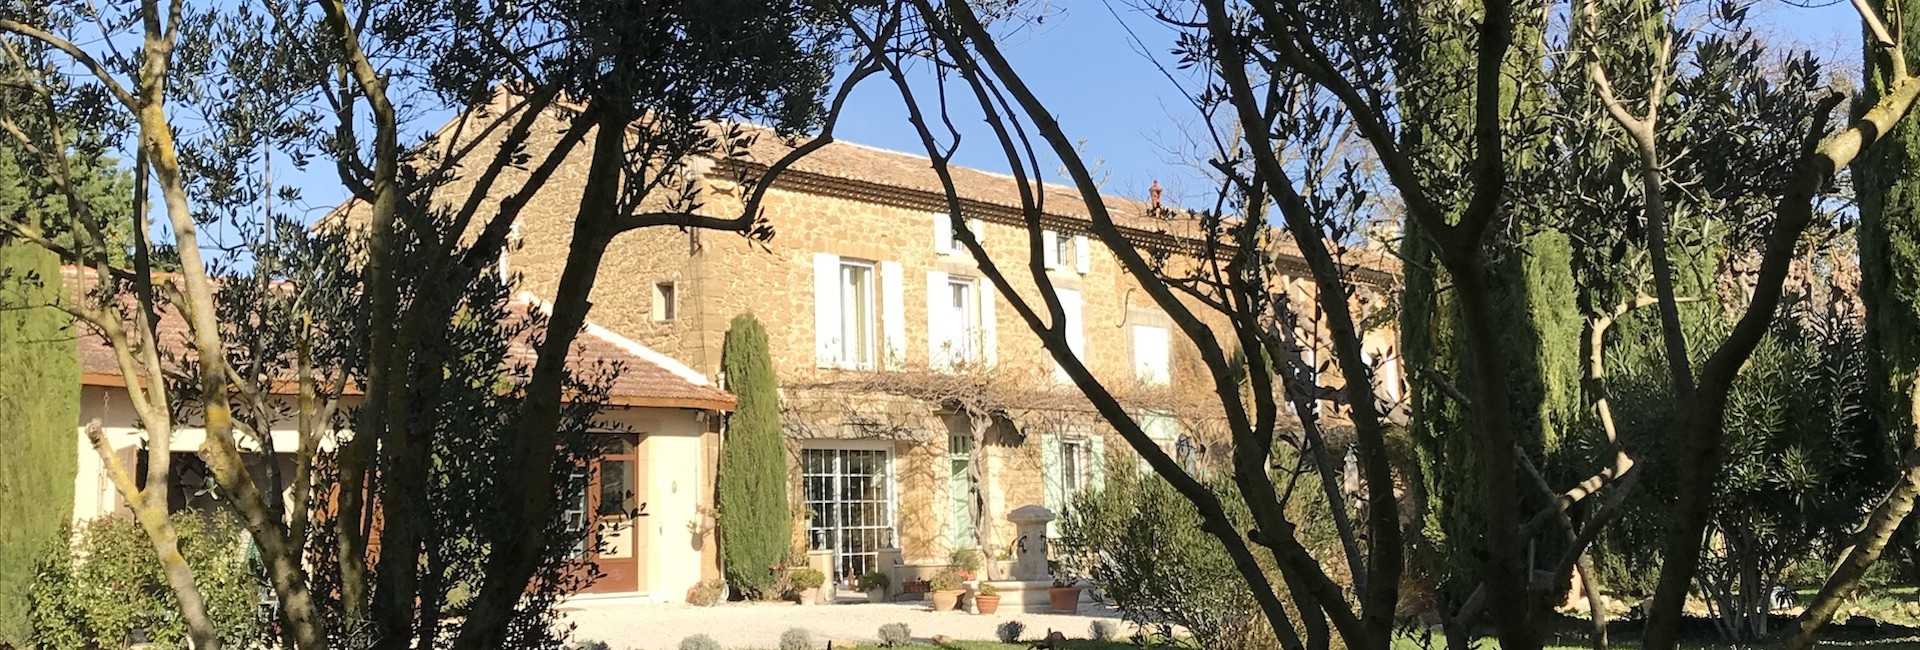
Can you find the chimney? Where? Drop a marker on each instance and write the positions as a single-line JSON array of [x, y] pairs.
[[1153, 196]]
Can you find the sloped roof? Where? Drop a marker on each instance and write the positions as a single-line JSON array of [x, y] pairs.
[[643, 377], [913, 183]]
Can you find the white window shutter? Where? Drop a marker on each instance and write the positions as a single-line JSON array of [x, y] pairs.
[[942, 233], [826, 310], [893, 318], [1070, 310], [979, 229], [1050, 248], [1084, 261], [989, 324], [938, 320], [1075, 310]]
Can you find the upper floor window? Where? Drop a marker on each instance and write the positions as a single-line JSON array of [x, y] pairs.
[[1074, 460], [1061, 252], [946, 240], [1150, 357], [857, 319], [663, 301], [963, 308], [960, 328], [856, 314]]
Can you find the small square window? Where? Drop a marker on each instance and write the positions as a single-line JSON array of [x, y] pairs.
[[664, 304]]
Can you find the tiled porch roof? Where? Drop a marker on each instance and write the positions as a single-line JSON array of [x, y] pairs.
[[645, 378]]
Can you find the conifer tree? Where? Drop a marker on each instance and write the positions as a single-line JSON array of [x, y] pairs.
[[756, 527], [39, 409]]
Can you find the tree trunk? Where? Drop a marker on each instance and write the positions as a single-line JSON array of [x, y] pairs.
[[529, 493], [1860, 556]]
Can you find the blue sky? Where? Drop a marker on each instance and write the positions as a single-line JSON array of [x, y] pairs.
[[1130, 119], [1084, 61]]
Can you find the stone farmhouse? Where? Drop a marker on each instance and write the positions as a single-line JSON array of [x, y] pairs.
[[880, 325]]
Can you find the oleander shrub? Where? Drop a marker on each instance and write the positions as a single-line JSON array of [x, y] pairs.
[[1140, 543], [107, 589]]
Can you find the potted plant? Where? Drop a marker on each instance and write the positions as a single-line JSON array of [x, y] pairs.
[[806, 581], [988, 600], [947, 588], [966, 563], [1064, 596], [875, 584]]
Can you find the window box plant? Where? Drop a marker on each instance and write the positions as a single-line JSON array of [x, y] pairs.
[[947, 588]]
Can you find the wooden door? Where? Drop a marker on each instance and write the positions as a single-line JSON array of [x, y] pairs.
[[614, 506]]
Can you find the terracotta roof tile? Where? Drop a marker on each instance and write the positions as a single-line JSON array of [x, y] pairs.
[[645, 377]]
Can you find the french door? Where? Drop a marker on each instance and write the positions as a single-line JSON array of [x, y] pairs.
[[849, 493]]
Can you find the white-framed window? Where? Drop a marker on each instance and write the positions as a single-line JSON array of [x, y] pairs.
[[849, 494], [963, 307], [946, 241], [1151, 363], [1075, 457], [665, 296], [857, 317], [960, 317], [1060, 252]]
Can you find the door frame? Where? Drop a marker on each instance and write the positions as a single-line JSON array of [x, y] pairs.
[[617, 575]]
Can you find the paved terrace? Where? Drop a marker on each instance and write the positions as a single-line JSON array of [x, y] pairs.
[[626, 625]]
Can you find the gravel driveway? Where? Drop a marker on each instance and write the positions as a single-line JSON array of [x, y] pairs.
[[632, 626]]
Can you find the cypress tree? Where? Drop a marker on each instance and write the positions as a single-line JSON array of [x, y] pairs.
[[1888, 183], [756, 527], [1531, 280], [39, 410]]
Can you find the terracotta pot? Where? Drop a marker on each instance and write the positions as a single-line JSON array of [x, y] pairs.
[[810, 596], [1065, 600], [945, 601], [987, 604], [876, 595]]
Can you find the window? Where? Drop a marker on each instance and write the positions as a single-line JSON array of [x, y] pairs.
[[1150, 355], [849, 494], [1055, 250], [856, 314], [1074, 459], [964, 311], [663, 301]]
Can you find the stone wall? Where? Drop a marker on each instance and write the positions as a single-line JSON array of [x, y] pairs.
[[719, 275]]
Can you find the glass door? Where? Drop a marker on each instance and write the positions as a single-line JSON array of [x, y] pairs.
[[849, 493]]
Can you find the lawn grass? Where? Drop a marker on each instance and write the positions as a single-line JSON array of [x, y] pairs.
[[1081, 644]]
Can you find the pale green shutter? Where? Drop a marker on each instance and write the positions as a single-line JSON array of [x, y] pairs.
[[960, 529], [1050, 477]]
